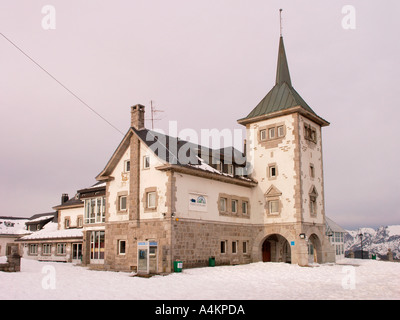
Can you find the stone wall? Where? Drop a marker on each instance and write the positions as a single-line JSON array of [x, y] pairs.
[[13, 263]]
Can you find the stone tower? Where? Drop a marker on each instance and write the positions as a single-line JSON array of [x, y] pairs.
[[284, 146]]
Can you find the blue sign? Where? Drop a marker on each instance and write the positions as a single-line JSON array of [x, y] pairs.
[[292, 243]]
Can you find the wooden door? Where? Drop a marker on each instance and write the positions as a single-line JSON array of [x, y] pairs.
[[266, 251]]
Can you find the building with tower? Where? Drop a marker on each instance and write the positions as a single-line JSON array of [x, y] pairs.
[[160, 199], [190, 203]]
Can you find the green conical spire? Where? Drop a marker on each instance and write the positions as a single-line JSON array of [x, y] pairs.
[[282, 97], [282, 70]]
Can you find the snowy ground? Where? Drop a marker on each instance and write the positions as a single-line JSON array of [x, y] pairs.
[[369, 279]]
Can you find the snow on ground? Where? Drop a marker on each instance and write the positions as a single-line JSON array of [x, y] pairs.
[[352, 279]]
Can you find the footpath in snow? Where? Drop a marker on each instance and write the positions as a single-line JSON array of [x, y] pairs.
[[349, 279]]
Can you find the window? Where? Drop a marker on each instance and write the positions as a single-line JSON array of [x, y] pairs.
[[271, 133], [46, 249], [97, 241], [281, 131], [230, 169], [33, 249], [222, 204], [61, 248], [273, 206], [95, 210], [79, 222], [234, 206], [313, 201], [77, 251], [263, 134], [310, 133], [272, 172], [223, 246], [244, 207], [151, 200], [146, 162], [244, 246], [66, 223], [121, 247], [312, 171], [122, 203], [234, 246], [313, 205], [127, 166]]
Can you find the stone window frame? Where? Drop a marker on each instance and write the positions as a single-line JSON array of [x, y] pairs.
[[79, 218], [235, 245], [145, 199], [225, 246], [35, 252], [127, 165], [67, 222], [220, 209], [276, 140], [312, 171], [234, 200], [61, 245], [228, 210], [310, 133], [146, 167], [313, 206], [269, 167], [245, 248], [119, 241], [273, 194], [121, 194], [48, 245]]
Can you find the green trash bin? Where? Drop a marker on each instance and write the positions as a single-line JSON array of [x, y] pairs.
[[178, 266], [374, 257], [211, 261]]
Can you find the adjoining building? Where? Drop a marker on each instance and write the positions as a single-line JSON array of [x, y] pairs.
[[336, 236]]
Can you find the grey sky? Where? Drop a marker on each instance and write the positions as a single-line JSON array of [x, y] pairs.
[[206, 64]]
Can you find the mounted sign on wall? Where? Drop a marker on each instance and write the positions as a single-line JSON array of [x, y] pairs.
[[198, 202]]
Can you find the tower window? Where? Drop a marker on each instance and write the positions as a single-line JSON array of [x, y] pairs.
[[271, 133], [263, 134], [273, 206], [312, 171], [281, 132]]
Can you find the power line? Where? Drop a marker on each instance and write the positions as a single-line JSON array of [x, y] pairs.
[[55, 79]]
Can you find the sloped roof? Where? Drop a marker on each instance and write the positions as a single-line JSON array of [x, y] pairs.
[[333, 226], [176, 154], [282, 97]]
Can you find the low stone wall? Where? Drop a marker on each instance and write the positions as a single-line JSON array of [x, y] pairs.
[[13, 263]]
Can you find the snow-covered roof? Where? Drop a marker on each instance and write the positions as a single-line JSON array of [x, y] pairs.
[[333, 225], [50, 231], [10, 226]]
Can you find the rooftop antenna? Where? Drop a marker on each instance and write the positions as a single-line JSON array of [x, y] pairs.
[[153, 111], [280, 20]]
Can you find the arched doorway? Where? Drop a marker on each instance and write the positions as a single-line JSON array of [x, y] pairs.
[[275, 248], [314, 249]]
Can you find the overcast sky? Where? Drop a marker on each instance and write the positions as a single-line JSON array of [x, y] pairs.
[[205, 64]]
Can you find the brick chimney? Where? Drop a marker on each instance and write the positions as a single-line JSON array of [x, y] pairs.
[[137, 117], [64, 198]]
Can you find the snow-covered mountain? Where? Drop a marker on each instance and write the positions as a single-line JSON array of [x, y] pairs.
[[375, 241]]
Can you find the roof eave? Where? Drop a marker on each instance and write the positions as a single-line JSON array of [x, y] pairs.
[[208, 175], [322, 122]]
